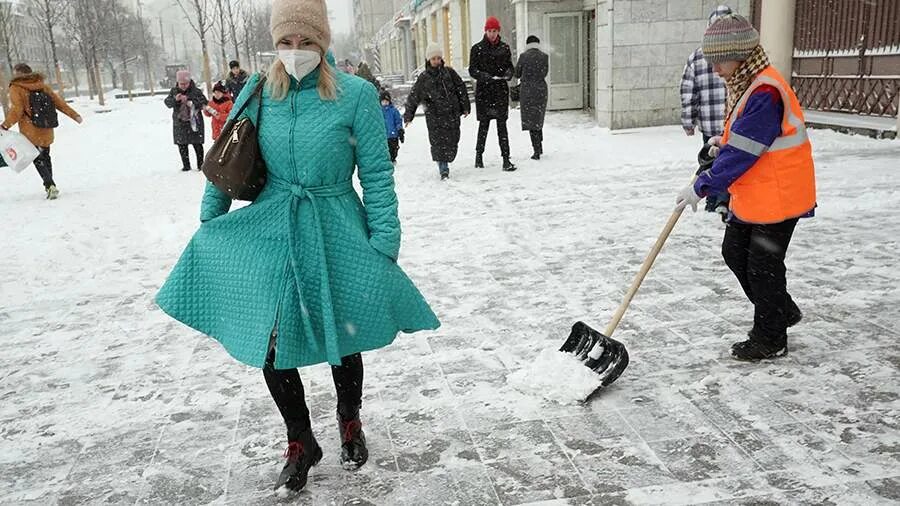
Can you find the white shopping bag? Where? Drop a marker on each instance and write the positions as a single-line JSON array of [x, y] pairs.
[[17, 152]]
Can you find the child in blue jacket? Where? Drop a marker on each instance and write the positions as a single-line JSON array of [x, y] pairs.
[[393, 123]]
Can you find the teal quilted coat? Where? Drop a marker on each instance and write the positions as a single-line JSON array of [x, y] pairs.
[[307, 258]]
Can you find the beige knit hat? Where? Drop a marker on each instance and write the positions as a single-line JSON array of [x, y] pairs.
[[306, 18], [433, 49]]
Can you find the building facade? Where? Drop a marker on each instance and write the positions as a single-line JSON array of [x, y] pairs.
[[622, 60], [368, 18]]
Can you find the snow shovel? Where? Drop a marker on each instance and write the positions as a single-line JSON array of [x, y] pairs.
[[600, 352]]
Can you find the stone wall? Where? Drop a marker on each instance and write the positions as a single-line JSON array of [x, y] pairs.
[[652, 40]]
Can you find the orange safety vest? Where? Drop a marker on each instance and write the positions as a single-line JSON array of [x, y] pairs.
[[782, 183]]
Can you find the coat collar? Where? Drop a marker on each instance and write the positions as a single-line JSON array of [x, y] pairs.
[[533, 45]]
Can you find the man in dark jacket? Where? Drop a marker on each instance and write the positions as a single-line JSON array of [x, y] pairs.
[[532, 69], [490, 64], [187, 101], [237, 78]]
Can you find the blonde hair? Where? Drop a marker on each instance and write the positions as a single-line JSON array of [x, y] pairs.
[[279, 81]]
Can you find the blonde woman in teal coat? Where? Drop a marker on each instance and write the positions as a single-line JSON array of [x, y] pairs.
[[307, 273]]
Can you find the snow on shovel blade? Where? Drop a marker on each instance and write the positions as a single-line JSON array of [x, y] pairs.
[[599, 353]]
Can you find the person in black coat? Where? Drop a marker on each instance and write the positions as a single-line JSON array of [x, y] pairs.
[[490, 64], [187, 103], [531, 70], [445, 98]]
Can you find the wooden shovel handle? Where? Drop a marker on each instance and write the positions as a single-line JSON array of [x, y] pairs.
[[645, 268]]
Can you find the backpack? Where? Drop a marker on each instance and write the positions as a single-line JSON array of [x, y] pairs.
[[43, 110]]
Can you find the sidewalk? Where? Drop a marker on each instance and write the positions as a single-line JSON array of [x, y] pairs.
[[103, 399], [874, 126]]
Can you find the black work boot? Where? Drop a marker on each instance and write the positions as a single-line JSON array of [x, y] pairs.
[[508, 165], [302, 453], [353, 440], [793, 314], [479, 163], [756, 349]]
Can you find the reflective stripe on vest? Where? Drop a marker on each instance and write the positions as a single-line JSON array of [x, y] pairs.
[[781, 184]]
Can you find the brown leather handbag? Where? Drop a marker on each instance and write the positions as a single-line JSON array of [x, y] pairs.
[[234, 164]]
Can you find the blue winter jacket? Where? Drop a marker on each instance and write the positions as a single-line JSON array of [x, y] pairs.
[[393, 122]]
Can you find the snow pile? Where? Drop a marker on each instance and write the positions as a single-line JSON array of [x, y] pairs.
[[556, 376]]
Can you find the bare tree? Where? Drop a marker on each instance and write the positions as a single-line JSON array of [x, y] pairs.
[[6, 39], [86, 26], [222, 33], [231, 13], [200, 22], [49, 13], [8, 32], [255, 27]]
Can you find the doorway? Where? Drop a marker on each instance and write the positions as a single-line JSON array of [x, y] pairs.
[[566, 34]]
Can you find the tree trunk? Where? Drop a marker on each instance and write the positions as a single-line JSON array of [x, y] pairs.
[[4, 97], [206, 70], [91, 77], [99, 78], [74, 74]]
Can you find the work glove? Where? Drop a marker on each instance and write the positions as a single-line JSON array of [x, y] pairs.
[[687, 197], [715, 143], [402, 136]]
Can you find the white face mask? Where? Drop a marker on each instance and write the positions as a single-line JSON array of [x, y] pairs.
[[299, 62]]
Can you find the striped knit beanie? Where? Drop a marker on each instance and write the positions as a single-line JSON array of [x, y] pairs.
[[730, 38]]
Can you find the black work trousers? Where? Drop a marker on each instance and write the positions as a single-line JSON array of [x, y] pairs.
[[537, 141], [755, 254]]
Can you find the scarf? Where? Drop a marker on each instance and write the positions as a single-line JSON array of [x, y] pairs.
[[738, 83]]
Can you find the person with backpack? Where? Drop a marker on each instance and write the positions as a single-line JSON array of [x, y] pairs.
[[218, 108], [186, 101], [33, 105], [393, 123]]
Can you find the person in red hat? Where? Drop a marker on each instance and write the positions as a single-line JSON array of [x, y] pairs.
[[490, 64]]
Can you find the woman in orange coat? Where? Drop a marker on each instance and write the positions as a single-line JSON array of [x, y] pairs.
[[218, 108], [23, 84]]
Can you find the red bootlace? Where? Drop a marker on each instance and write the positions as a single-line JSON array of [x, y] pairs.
[[351, 428], [293, 451]]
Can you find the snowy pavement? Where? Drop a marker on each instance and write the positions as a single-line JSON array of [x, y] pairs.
[[103, 399]]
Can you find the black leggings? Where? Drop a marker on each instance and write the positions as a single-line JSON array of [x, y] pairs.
[[288, 394], [185, 160], [44, 166]]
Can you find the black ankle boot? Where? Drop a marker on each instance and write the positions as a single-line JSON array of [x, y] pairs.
[[755, 349], [302, 453], [353, 442], [479, 163], [508, 165]]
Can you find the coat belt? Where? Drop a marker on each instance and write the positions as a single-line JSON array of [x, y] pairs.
[[298, 194]]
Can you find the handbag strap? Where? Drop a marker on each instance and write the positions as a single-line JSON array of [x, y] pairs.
[[256, 93]]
